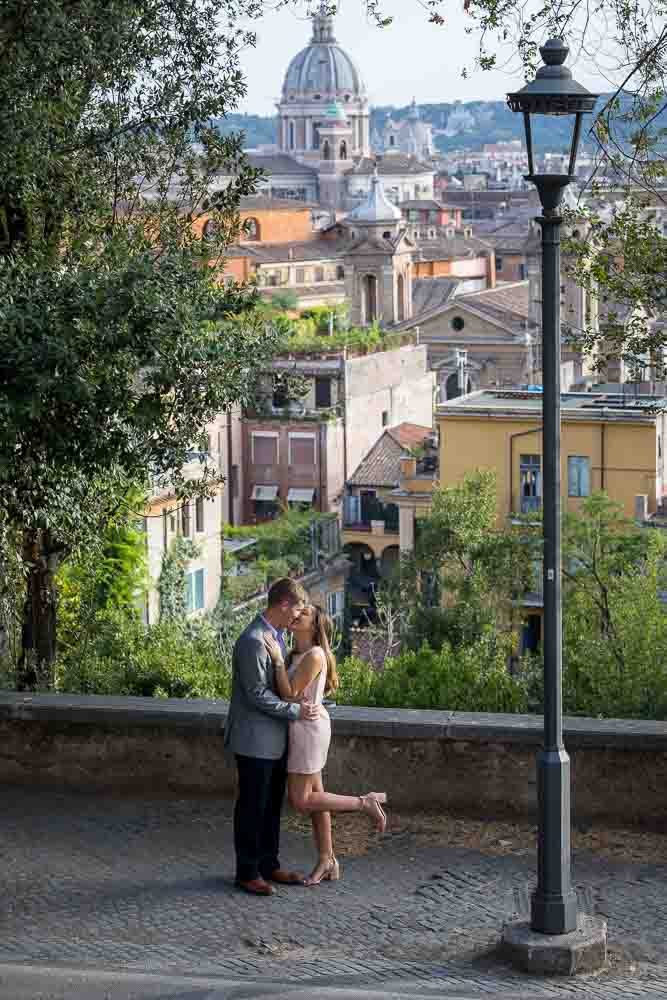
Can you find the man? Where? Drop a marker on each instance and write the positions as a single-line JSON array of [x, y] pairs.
[[256, 733]]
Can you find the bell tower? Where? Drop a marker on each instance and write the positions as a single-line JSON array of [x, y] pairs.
[[378, 265]]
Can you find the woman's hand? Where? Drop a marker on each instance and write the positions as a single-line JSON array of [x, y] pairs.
[[274, 651]]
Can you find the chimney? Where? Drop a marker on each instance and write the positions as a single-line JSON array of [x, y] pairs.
[[408, 468]]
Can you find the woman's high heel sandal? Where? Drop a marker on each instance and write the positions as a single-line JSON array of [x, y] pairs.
[[371, 804], [330, 874]]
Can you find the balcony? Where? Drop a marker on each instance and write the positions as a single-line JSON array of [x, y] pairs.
[[363, 514], [530, 505]]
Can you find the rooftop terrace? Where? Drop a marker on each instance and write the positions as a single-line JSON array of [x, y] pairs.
[[574, 405]]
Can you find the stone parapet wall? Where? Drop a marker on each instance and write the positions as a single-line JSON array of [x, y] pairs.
[[474, 764]]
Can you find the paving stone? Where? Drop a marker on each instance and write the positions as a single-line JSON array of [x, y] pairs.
[[147, 885]]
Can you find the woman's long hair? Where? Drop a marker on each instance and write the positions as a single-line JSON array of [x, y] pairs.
[[322, 633]]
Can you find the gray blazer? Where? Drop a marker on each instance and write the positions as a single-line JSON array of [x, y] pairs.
[[257, 720]]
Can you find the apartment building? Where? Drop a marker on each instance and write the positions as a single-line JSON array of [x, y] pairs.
[[609, 441], [201, 521], [302, 451]]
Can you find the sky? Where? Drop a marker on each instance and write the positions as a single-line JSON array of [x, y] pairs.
[[411, 58]]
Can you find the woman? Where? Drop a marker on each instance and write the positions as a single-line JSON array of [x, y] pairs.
[[311, 673]]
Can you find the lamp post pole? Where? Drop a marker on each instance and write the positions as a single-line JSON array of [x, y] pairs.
[[554, 903], [552, 92]]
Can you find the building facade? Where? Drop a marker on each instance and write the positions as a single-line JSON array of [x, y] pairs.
[[302, 451], [609, 442]]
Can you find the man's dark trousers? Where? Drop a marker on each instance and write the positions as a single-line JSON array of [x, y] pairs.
[[257, 816]]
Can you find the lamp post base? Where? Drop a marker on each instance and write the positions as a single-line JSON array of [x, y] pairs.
[[582, 950]]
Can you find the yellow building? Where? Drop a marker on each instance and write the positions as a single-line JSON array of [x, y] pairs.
[[610, 442]]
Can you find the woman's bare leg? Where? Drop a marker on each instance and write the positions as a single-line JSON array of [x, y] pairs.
[[322, 835], [306, 797]]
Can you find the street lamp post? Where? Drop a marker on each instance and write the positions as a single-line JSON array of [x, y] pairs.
[[553, 92]]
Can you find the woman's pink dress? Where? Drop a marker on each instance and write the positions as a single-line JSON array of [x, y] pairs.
[[309, 741]]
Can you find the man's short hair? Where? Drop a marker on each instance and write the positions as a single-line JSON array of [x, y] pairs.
[[286, 590]]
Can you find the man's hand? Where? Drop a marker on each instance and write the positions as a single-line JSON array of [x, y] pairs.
[[309, 712]]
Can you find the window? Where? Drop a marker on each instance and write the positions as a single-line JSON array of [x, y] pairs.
[[319, 274], [340, 273], [194, 591], [499, 263], [280, 397], [385, 418], [300, 276], [530, 483], [251, 229], [326, 150], [302, 449], [186, 520], [433, 217], [578, 476], [199, 514], [458, 323], [291, 134], [264, 448], [322, 393], [336, 607], [343, 150]]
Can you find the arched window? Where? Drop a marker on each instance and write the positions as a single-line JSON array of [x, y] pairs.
[[369, 299], [291, 135], [251, 230], [326, 151], [343, 150]]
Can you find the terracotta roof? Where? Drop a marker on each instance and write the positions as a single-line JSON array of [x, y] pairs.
[[382, 464], [263, 202], [506, 303], [431, 293], [455, 246], [279, 163], [427, 204], [388, 166], [409, 435], [296, 251]]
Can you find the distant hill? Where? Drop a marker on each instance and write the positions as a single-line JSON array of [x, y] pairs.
[[481, 122]]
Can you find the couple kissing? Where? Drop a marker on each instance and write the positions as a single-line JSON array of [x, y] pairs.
[[279, 732]]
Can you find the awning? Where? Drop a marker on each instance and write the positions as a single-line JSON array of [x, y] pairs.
[[264, 493], [300, 496]]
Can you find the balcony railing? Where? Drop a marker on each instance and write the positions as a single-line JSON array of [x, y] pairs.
[[530, 504], [358, 515]]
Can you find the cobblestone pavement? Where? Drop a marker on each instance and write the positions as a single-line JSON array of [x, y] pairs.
[[146, 887]]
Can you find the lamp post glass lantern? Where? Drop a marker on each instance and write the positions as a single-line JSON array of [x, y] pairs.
[[553, 92]]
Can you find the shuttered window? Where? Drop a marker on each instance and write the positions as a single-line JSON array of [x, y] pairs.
[[302, 449], [264, 450]]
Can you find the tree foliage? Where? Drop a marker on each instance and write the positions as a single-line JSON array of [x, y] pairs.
[[115, 346]]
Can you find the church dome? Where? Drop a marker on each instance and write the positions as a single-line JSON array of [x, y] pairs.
[[323, 68], [377, 208]]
